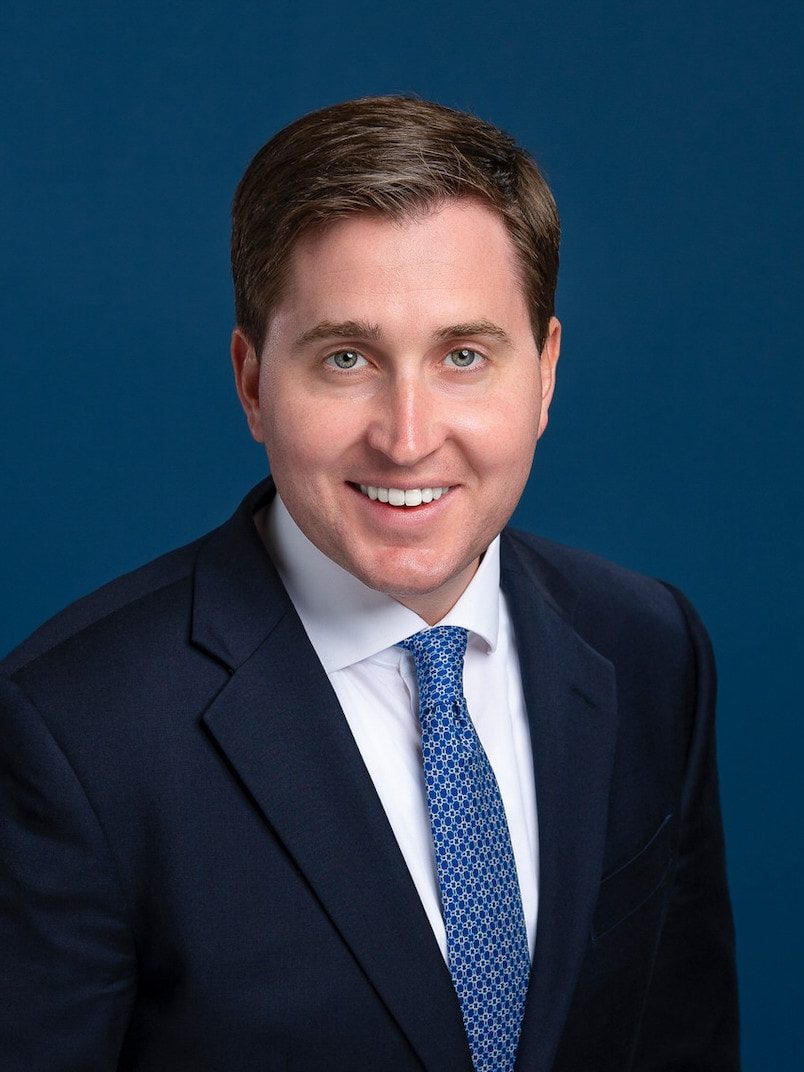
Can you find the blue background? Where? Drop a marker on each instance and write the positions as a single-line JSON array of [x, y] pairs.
[[672, 136]]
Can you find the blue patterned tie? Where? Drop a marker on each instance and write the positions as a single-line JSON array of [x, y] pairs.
[[487, 944]]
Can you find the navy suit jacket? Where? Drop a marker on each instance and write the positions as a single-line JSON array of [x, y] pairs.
[[197, 873]]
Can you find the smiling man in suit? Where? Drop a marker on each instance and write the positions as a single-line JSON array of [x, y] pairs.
[[364, 779]]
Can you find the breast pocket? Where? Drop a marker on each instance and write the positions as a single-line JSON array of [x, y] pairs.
[[629, 887]]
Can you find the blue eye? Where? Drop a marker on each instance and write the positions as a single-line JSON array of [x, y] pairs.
[[345, 360], [464, 358]]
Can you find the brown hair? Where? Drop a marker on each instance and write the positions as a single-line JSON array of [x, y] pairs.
[[395, 156]]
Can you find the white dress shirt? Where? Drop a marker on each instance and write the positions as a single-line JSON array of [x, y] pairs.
[[354, 630]]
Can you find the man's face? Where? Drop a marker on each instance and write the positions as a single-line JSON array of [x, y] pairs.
[[401, 358]]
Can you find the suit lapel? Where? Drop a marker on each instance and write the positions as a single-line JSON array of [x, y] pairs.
[[280, 725], [570, 694]]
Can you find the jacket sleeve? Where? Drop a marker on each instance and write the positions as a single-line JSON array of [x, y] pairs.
[[690, 1020], [67, 962]]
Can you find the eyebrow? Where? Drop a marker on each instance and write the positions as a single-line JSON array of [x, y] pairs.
[[363, 329], [344, 329], [473, 327]]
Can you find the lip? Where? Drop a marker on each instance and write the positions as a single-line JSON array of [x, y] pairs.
[[403, 485], [386, 513], [402, 497]]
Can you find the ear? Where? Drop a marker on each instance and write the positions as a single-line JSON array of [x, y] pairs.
[[548, 360], [246, 368]]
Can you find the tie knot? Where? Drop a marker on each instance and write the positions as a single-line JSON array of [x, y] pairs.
[[441, 645], [438, 656]]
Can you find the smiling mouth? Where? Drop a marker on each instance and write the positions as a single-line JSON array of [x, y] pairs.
[[400, 497]]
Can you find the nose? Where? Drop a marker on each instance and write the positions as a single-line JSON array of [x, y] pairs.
[[405, 426]]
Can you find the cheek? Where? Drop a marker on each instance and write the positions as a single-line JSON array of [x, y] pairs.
[[289, 425], [506, 431], [509, 458], [524, 417], [303, 437]]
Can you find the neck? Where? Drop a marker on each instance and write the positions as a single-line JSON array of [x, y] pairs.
[[435, 605]]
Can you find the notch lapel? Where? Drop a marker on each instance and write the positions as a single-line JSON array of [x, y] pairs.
[[279, 723], [570, 695]]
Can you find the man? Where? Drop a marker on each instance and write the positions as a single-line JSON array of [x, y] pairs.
[[248, 822]]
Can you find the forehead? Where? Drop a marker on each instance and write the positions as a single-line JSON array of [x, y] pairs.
[[454, 261]]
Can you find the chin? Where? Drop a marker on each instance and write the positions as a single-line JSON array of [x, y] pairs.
[[406, 580]]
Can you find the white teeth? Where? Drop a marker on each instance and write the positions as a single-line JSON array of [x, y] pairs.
[[398, 497]]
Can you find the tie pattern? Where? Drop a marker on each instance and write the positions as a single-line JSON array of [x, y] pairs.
[[487, 942]]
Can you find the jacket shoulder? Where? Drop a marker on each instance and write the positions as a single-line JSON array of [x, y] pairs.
[[610, 606], [111, 599]]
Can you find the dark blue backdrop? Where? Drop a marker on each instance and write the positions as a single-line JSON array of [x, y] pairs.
[[672, 137]]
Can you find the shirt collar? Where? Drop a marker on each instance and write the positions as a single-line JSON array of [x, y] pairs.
[[346, 620]]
